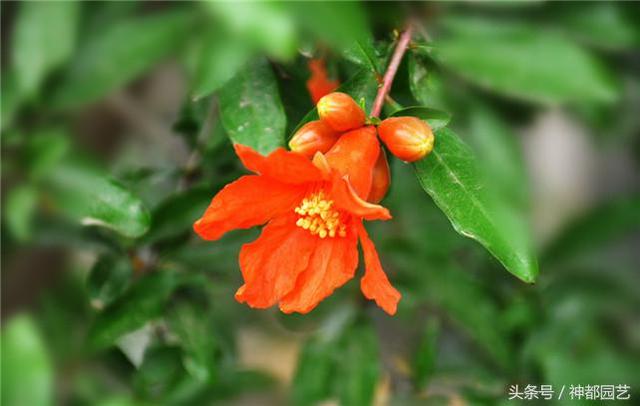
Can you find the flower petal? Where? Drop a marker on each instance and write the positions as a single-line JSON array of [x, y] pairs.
[[374, 284], [331, 265], [346, 198], [247, 202], [284, 166], [355, 154], [271, 264]]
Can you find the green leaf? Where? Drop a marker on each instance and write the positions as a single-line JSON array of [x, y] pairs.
[[19, 210], [258, 26], [121, 53], [451, 176], [358, 366], [524, 62], [342, 25], [603, 25], [86, 195], [251, 109], [595, 228], [437, 119], [43, 38], [425, 356], [215, 59], [108, 279], [424, 81], [27, 373], [178, 213], [45, 150], [499, 150], [312, 380], [197, 340], [143, 302]]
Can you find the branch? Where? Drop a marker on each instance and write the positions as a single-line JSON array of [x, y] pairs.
[[387, 81]]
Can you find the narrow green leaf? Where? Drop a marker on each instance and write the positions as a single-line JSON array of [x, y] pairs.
[[595, 228], [358, 367], [27, 373], [437, 119], [425, 356], [43, 38], [312, 380], [251, 109], [119, 54], [86, 195], [19, 209], [143, 302], [451, 176], [524, 62], [108, 279]]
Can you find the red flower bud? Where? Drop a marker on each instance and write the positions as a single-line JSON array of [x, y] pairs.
[[340, 112], [408, 138], [319, 83], [381, 179], [313, 137]]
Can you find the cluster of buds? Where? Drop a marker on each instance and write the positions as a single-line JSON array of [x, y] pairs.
[[408, 138]]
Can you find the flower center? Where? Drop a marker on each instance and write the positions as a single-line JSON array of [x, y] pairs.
[[318, 216]]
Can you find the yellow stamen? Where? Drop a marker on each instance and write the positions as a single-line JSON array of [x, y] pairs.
[[319, 217]]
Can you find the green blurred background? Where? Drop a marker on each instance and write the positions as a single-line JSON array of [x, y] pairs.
[[116, 120]]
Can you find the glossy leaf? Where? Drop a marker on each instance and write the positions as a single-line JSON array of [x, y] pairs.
[[143, 302], [108, 279], [424, 81], [524, 62], [86, 195], [251, 109], [27, 373], [43, 38], [451, 176], [120, 54], [437, 119], [312, 382]]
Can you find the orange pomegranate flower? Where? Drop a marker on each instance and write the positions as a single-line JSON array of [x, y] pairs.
[[313, 212], [319, 84]]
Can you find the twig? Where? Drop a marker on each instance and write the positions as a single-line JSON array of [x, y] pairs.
[[392, 69]]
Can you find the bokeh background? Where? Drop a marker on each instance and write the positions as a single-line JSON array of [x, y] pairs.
[[115, 137]]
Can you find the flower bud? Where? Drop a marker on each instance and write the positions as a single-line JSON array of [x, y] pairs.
[[315, 136], [381, 179], [408, 138], [319, 84], [340, 112]]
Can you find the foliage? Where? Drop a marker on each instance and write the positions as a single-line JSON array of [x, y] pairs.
[[143, 312]]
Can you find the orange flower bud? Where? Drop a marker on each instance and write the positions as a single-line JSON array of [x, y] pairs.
[[381, 179], [313, 137], [319, 83], [408, 138], [340, 112]]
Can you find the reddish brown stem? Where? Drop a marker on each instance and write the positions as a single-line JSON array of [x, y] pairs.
[[387, 81]]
